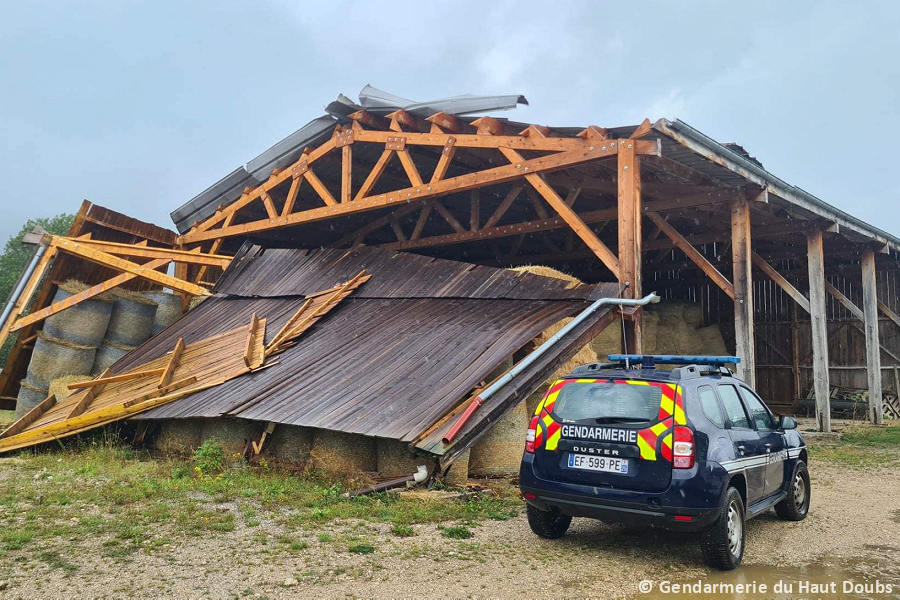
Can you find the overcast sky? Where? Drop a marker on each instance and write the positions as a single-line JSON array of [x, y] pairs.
[[138, 106]]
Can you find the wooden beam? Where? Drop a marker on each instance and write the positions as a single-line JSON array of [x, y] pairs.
[[291, 199], [447, 154], [504, 206], [539, 209], [27, 292], [88, 396], [346, 173], [889, 314], [374, 175], [144, 251], [108, 260], [30, 417], [270, 206], [783, 283], [630, 236], [451, 220], [461, 183], [568, 215], [693, 254], [741, 252], [818, 322], [845, 302], [474, 210], [873, 342], [102, 381], [165, 377], [410, 167], [320, 188]]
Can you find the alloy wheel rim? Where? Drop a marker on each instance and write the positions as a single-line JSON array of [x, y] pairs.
[[735, 528], [799, 492]]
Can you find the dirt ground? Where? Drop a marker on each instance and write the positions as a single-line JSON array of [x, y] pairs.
[[853, 530]]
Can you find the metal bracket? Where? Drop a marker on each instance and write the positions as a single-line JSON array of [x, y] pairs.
[[395, 143], [344, 138], [299, 170]]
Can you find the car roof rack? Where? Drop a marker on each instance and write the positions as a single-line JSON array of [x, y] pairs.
[[692, 365]]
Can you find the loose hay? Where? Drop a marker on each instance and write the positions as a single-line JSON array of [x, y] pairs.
[[167, 312], [178, 436], [344, 456], [132, 319], [498, 453], [233, 435], [196, 301], [290, 442], [53, 358], [60, 387], [86, 322], [107, 355], [586, 354], [395, 459], [29, 397]]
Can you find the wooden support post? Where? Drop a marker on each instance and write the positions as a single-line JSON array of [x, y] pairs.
[[30, 417], [630, 252], [816, 263], [873, 344], [795, 355], [742, 278]]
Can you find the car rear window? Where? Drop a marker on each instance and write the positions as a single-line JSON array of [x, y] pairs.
[[733, 407], [608, 402]]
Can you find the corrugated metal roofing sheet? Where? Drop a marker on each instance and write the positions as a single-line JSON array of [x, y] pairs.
[[390, 360]]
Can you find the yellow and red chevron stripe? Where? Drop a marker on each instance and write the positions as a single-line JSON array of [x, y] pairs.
[[653, 441]]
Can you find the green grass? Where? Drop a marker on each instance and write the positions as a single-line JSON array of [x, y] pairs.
[[457, 532], [361, 549], [860, 447]]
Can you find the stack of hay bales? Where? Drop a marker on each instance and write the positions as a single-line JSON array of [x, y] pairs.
[[343, 454], [66, 346], [290, 442], [232, 434], [395, 459], [178, 436], [167, 312], [130, 324]]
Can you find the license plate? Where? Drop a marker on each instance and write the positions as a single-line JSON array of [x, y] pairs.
[[587, 462]]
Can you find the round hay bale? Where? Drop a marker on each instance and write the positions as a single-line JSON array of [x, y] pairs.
[[233, 434], [290, 442], [338, 452], [60, 387], [29, 397], [107, 354], [86, 322], [178, 436], [498, 453], [395, 459], [458, 474], [532, 401], [132, 319], [53, 358], [196, 301], [585, 355], [167, 312]]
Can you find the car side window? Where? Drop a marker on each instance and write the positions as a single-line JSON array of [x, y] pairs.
[[710, 406], [733, 407], [758, 411]]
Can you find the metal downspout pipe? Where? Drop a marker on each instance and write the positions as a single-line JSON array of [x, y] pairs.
[[20, 287], [476, 403]]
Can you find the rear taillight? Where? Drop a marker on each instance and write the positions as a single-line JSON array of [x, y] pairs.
[[531, 435], [683, 448]]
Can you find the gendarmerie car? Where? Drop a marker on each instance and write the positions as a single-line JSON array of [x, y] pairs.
[[688, 449]]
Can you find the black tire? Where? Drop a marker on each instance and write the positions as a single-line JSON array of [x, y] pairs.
[[723, 543], [795, 505], [547, 525]]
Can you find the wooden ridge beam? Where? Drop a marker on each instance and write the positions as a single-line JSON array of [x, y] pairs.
[[459, 183], [108, 260], [783, 283], [87, 294]]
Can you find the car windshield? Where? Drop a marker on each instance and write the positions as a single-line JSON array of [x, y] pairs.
[[608, 402]]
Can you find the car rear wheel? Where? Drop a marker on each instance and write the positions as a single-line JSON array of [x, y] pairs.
[[795, 506], [549, 525], [723, 543]]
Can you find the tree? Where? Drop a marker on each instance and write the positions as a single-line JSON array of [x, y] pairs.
[[16, 256]]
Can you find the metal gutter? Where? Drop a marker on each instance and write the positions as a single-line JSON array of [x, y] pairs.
[[695, 140]]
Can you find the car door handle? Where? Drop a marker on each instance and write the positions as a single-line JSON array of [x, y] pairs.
[[741, 449]]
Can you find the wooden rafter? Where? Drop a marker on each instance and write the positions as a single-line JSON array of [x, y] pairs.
[[780, 280]]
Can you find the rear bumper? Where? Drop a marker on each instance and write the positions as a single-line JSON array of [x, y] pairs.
[[695, 500]]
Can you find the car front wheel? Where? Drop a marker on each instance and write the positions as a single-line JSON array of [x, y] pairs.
[[723, 543], [795, 506], [549, 525]]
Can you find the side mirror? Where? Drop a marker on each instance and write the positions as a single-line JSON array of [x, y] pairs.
[[786, 422]]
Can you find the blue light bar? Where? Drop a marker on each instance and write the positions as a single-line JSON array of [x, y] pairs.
[[649, 360]]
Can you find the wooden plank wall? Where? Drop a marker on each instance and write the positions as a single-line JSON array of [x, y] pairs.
[[774, 330]]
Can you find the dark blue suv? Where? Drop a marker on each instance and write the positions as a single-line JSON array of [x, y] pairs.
[[691, 449]]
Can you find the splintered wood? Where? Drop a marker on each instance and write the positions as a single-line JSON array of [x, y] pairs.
[[313, 308], [187, 369]]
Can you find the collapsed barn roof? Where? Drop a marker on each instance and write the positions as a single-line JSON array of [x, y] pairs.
[[395, 357]]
